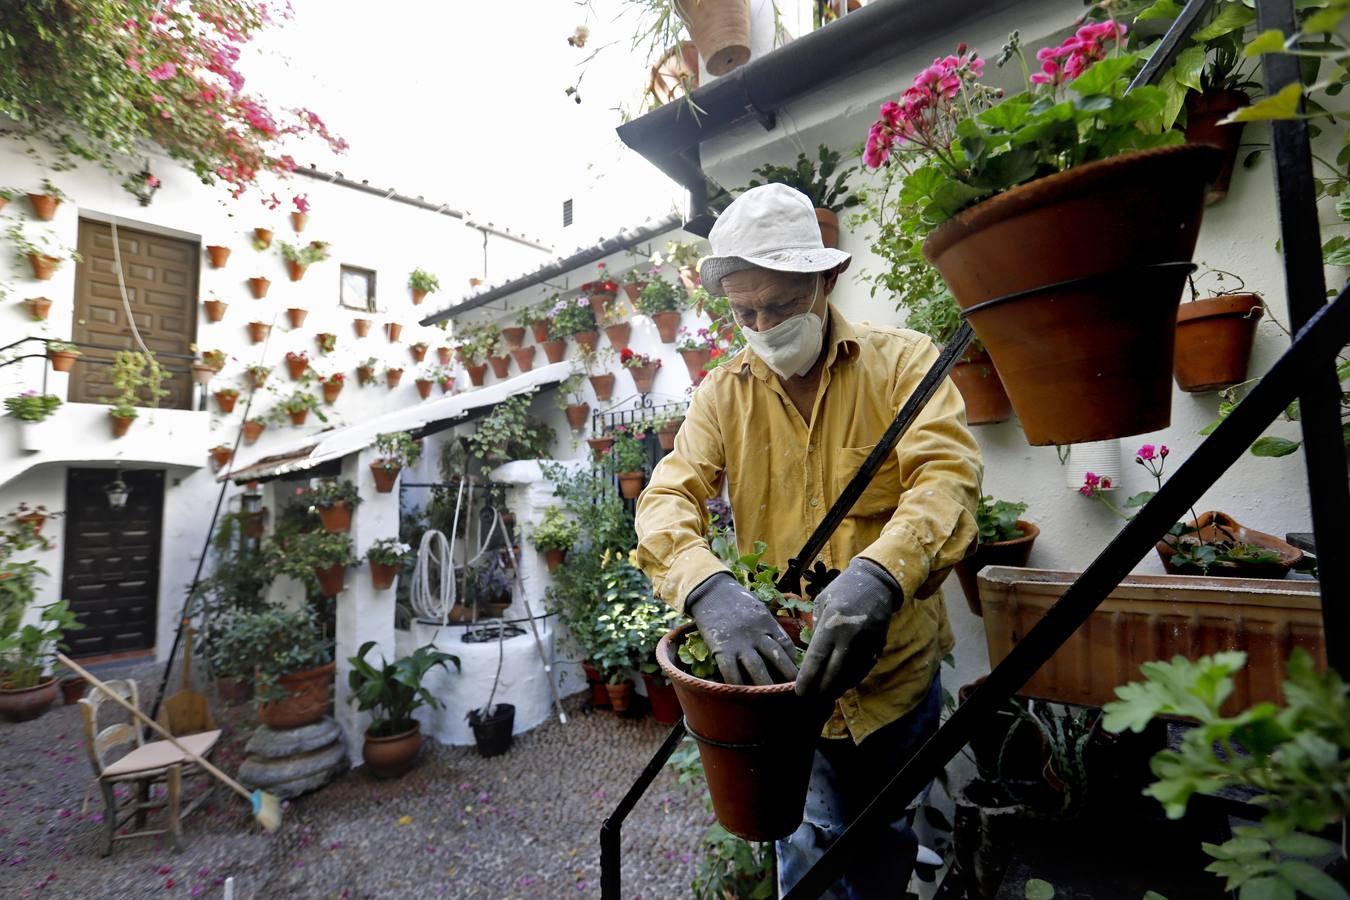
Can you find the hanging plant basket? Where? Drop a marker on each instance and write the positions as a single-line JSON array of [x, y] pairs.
[[298, 221], [264, 237], [630, 483], [667, 325], [418, 351], [443, 355], [385, 474], [633, 289], [524, 358], [62, 360], [253, 430], [44, 206], [392, 377], [38, 308], [554, 351], [1214, 341], [225, 401], [331, 390], [618, 335], [828, 220], [539, 328], [600, 446], [336, 519], [666, 433], [393, 330], [477, 373], [361, 327], [603, 385], [1013, 552], [296, 269], [424, 387], [215, 309], [1204, 112], [221, 456], [202, 373], [297, 316], [296, 366], [219, 255], [644, 376], [1072, 282], [382, 575], [981, 388], [501, 365], [586, 339], [577, 414], [298, 418], [514, 337], [259, 285], [44, 267], [721, 31], [120, 424]]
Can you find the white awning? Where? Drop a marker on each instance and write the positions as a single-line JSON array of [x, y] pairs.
[[349, 439]]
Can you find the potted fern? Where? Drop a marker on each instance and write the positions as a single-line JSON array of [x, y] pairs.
[[392, 693]]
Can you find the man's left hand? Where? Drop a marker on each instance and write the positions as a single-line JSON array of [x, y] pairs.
[[851, 619]]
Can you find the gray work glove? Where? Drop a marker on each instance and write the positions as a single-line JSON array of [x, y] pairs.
[[740, 632], [851, 618]]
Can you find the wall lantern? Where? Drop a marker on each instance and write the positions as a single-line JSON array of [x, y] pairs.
[[117, 492]]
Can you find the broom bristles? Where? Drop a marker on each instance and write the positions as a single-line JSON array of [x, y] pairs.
[[266, 810]]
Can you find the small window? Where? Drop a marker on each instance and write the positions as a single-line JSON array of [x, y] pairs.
[[567, 212], [358, 288]]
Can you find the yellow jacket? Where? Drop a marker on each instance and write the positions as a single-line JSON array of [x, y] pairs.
[[916, 518]]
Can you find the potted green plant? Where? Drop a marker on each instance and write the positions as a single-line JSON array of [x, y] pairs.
[[300, 258], [600, 291], [257, 375], [387, 556], [828, 197], [422, 282], [291, 662], [32, 407], [642, 367], [1054, 169], [475, 344], [392, 693], [1005, 540], [44, 254], [629, 629], [572, 402], [397, 451], [62, 355], [253, 429], [335, 499], [695, 348], [1214, 335], [27, 687], [597, 362], [132, 373], [573, 317], [332, 385], [315, 558], [663, 303], [509, 433], [554, 536], [298, 406], [628, 456], [365, 372], [297, 363], [46, 201]]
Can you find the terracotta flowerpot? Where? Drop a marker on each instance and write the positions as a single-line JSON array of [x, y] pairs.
[[296, 269], [392, 377], [554, 351], [259, 285], [418, 296], [309, 697], [1214, 341], [393, 330], [667, 325], [1015, 552], [27, 703], [121, 425], [721, 31], [501, 365], [447, 384], [62, 360], [233, 691], [539, 328], [298, 418], [600, 446], [666, 434], [586, 339], [418, 352], [331, 391], [598, 299], [390, 757], [219, 255], [297, 316], [554, 558], [577, 414], [225, 402], [756, 743], [514, 336], [258, 377], [296, 368], [44, 267], [476, 374], [1091, 360], [1204, 111], [331, 579], [977, 380], [630, 484], [38, 308], [689, 277], [424, 387], [361, 327], [524, 358], [443, 355], [385, 477], [620, 696], [599, 696], [665, 704], [382, 575], [644, 376], [364, 375], [44, 206], [202, 373], [73, 689], [255, 523], [33, 521], [221, 456], [336, 519], [253, 430], [694, 361], [828, 220], [264, 236], [618, 335], [215, 309], [298, 221], [1217, 526], [603, 386]]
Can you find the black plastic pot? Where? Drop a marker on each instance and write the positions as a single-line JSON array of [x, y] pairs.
[[493, 733]]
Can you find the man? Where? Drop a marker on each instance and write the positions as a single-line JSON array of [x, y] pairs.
[[785, 425]]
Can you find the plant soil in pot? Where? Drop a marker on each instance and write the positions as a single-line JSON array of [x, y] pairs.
[[492, 732], [309, 695], [721, 31], [828, 220], [336, 519], [577, 414], [1091, 360], [756, 743], [1216, 527], [476, 373], [390, 757], [219, 255], [259, 287], [38, 308], [215, 309], [385, 476], [1204, 112], [73, 688], [620, 696], [630, 484], [382, 575], [361, 327], [619, 334], [667, 325], [297, 316], [1015, 552], [501, 365], [25, 704], [1214, 341], [524, 358], [44, 206], [665, 704], [554, 351], [981, 389], [553, 558], [603, 386]]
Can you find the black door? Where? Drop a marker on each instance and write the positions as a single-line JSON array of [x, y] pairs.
[[112, 561]]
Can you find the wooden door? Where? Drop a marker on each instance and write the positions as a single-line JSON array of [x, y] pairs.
[[161, 281], [111, 573]]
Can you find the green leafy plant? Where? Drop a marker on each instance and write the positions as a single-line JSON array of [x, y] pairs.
[[813, 179], [628, 453], [570, 316], [330, 491], [26, 654], [63, 347], [30, 406], [509, 433], [393, 692], [397, 449], [422, 280], [660, 296], [997, 519], [1297, 759], [555, 531], [477, 342], [133, 371], [273, 641], [300, 401], [298, 555], [633, 621], [528, 315], [306, 254], [45, 244], [389, 552]]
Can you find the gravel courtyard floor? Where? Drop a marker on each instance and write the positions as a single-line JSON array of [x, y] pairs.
[[521, 825]]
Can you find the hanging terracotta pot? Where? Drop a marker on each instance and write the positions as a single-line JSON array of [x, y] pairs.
[[666, 433], [225, 401], [630, 483], [756, 743], [62, 360], [644, 376], [554, 351], [721, 31], [1013, 552], [253, 430], [828, 220], [618, 335], [4, 201], [259, 285], [361, 327], [364, 375], [297, 316], [600, 446], [219, 255], [476, 373], [633, 289], [524, 358], [1204, 112], [577, 414], [264, 237], [603, 385], [539, 328], [382, 575], [620, 695], [443, 354], [298, 221], [215, 309], [418, 296], [598, 301], [727, 332], [424, 387], [393, 330], [296, 269], [586, 339], [120, 424], [1214, 341], [221, 455], [694, 361], [981, 388], [667, 325], [665, 704], [331, 389], [44, 267], [257, 331], [258, 377], [689, 277], [1071, 283], [202, 373], [298, 418], [392, 377], [447, 383], [501, 365], [1216, 526], [296, 366], [38, 308], [514, 336], [44, 206], [553, 558], [336, 519], [385, 474], [418, 352]]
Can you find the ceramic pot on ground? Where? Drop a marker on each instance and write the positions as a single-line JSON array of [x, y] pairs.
[[390, 757], [1015, 552], [599, 696], [215, 309], [577, 414], [828, 220], [336, 519], [501, 366], [1218, 526], [603, 386], [553, 558], [492, 732], [1214, 341], [630, 484], [524, 358], [554, 351], [667, 325], [756, 743], [73, 688], [981, 389], [620, 696], [1204, 112], [618, 335], [385, 477], [1091, 358], [361, 327], [259, 286], [121, 424], [309, 695], [476, 374], [25, 704], [721, 31], [219, 255], [665, 704], [382, 575], [586, 339]]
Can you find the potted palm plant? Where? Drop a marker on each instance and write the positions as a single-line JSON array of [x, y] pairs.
[[392, 693], [387, 556], [1005, 540], [829, 198], [27, 686]]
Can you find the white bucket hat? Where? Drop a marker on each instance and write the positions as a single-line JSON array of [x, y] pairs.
[[771, 226]]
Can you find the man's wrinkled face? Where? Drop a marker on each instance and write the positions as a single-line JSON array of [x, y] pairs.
[[762, 298]]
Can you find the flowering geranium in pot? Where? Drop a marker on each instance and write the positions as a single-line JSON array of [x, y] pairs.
[[30, 406], [554, 536], [392, 693], [1063, 220], [662, 302], [226, 399], [695, 348], [397, 450], [298, 406], [572, 401], [600, 291], [1005, 540], [573, 317], [332, 386], [365, 372], [319, 559], [335, 499], [421, 282], [387, 556], [628, 456], [642, 367], [297, 364]]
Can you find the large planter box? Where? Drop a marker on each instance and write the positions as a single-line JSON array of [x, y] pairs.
[[1150, 617]]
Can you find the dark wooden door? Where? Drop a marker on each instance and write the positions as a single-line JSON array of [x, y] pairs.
[[161, 281], [112, 561]]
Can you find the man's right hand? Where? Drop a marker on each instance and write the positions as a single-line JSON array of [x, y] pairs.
[[740, 631]]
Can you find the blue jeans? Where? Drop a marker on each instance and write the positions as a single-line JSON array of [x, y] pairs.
[[845, 777]]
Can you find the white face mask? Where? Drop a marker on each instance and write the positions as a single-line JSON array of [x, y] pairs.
[[793, 345]]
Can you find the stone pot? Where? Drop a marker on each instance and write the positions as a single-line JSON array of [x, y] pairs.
[[620, 696], [215, 309], [721, 31], [618, 335], [554, 351], [24, 704], [514, 335], [828, 220], [577, 414], [423, 386], [1215, 526], [309, 697], [390, 757], [492, 733], [667, 325], [382, 575], [336, 519], [219, 255], [553, 558], [385, 474], [981, 388], [603, 386], [524, 358], [1204, 112], [361, 327], [1015, 552], [1214, 341], [501, 366], [665, 703], [630, 484], [259, 285], [477, 373], [1072, 282]]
